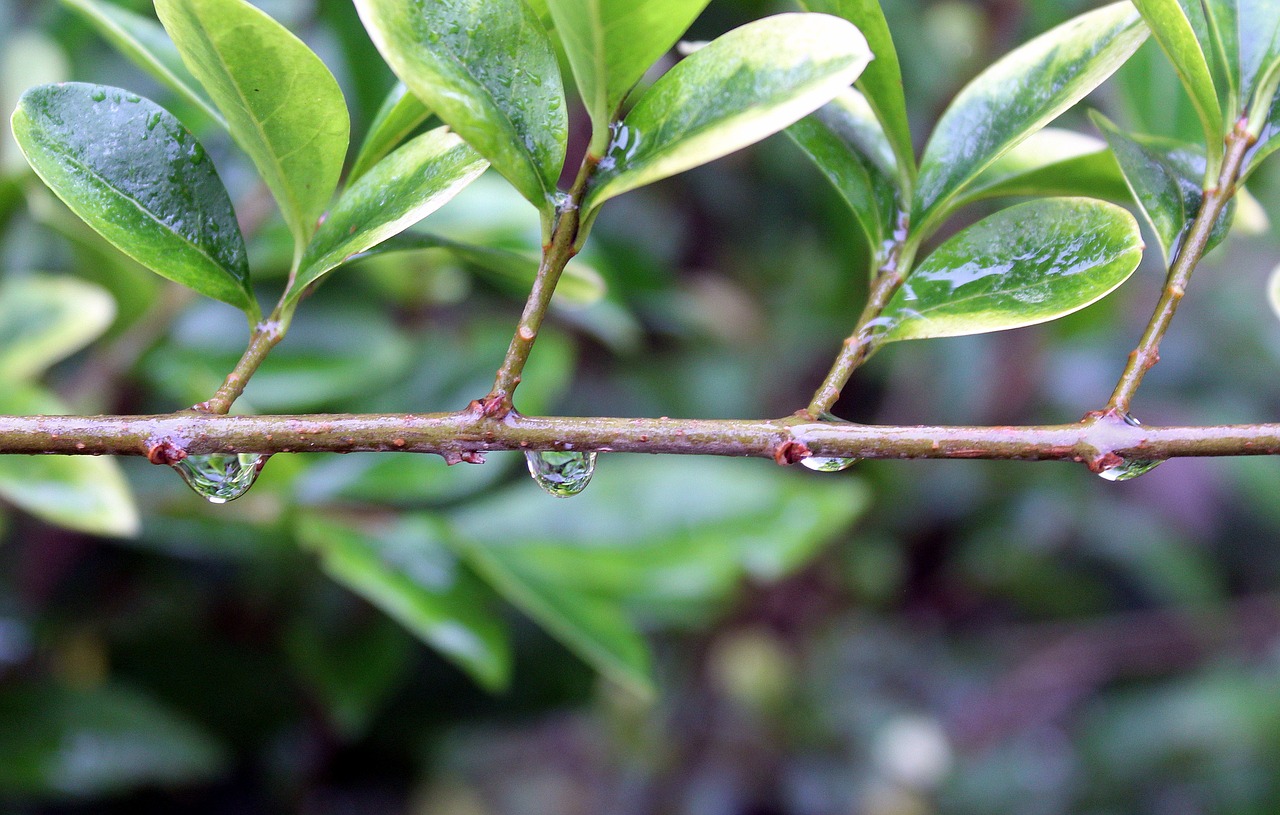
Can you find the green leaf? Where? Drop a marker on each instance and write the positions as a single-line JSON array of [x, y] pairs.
[[1258, 42], [1053, 162], [44, 319], [27, 59], [1024, 265], [590, 574], [489, 72], [84, 493], [144, 42], [403, 569], [1165, 177], [1268, 141], [61, 742], [399, 191], [610, 45], [740, 88], [283, 107], [881, 82], [1018, 95], [1173, 30], [400, 114], [130, 170]]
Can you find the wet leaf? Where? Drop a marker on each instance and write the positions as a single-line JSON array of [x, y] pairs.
[[403, 569], [1024, 265], [44, 319], [610, 45], [282, 105], [400, 114], [1053, 162], [130, 170], [402, 189], [1015, 97], [489, 72], [740, 88]]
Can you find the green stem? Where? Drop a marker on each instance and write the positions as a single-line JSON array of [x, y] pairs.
[[1147, 354], [266, 335]]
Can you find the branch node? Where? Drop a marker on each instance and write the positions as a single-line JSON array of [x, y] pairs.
[[791, 452], [166, 452]]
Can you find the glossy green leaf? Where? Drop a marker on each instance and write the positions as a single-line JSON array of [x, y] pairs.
[[403, 569], [487, 70], [1027, 264], [399, 191], [881, 82], [1018, 95], [44, 319], [1258, 24], [146, 44], [1053, 162], [131, 171], [1173, 30], [1165, 177], [610, 45], [400, 114], [740, 88], [1219, 35], [63, 742], [1268, 141], [282, 105], [84, 493]]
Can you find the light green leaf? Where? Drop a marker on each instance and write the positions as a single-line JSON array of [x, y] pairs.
[[488, 71], [1024, 265], [403, 569], [1165, 178], [1268, 141], [740, 88], [84, 493], [130, 170], [399, 191], [146, 44], [1273, 290], [1018, 95], [400, 114], [27, 59], [282, 105], [610, 45], [1053, 162], [44, 319], [882, 80], [1258, 24], [1173, 30]]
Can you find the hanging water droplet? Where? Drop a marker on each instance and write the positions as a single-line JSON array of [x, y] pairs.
[[221, 477], [561, 472], [1130, 468], [829, 464]]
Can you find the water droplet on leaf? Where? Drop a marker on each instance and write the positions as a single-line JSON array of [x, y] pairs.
[[1130, 468], [221, 477], [561, 472]]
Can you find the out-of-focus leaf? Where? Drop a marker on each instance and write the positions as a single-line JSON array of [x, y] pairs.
[[65, 743], [405, 570], [27, 59], [610, 45], [1268, 141], [1053, 162], [740, 88], [489, 72], [1024, 265], [1258, 43], [146, 44], [399, 191], [84, 493], [130, 170], [400, 114], [881, 82], [282, 105], [1018, 95], [1165, 177], [44, 319], [1273, 290]]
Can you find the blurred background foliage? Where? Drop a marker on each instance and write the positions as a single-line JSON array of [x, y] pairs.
[[951, 637]]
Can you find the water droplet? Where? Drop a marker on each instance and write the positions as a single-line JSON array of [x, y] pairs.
[[561, 472], [221, 477], [98, 96], [197, 153], [829, 464], [1131, 468]]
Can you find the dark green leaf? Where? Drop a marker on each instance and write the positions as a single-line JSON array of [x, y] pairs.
[[1024, 265], [138, 177], [282, 105], [403, 569], [740, 88], [1053, 162], [399, 116], [44, 319], [146, 44], [402, 189], [489, 72], [1017, 96], [610, 45]]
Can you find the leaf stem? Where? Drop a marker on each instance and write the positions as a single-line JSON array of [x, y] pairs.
[[1147, 354], [266, 335]]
